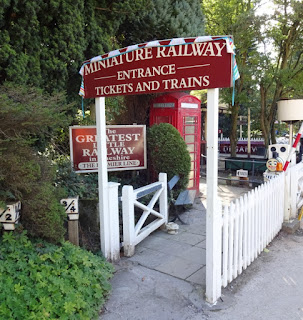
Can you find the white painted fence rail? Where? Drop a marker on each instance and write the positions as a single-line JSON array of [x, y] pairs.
[[246, 227], [241, 139], [133, 234]]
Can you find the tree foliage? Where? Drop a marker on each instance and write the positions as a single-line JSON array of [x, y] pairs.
[[269, 56], [160, 20], [28, 120], [163, 20], [280, 71], [43, 43], [237, 18]]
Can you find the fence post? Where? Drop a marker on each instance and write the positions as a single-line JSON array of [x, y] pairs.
[[128, 213], [287, 196], [163, 197], [114, 231], [73, 231], [214, 256], [293, 185]]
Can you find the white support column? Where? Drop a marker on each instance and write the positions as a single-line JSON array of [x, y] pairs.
[[102, 177], [114, 230], [213, 258], [163, 197]]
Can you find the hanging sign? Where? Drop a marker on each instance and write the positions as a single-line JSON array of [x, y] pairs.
[[126, 148], [161, 66]]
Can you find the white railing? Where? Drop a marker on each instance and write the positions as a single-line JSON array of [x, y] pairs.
[[245, 228], [241, 139], [135, 233]]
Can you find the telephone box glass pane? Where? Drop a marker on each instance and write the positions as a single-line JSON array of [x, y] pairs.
[[189, 120], [192, 156], [192, 166], [191, 148], [191, 174], [190, 129], [190, 183], [190, 138]]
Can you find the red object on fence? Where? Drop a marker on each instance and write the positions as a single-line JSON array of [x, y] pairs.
[[294, 146]]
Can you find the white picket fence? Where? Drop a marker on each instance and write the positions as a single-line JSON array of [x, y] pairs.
[[245, 228], [135, 233]]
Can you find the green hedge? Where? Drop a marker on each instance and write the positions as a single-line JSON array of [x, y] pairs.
[[40, 281]]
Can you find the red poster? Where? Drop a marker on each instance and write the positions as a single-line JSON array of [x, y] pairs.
[[149, 69], [126, 148]]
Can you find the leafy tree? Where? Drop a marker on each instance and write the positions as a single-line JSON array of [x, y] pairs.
[[237, 18], [163, 20], [43, 43], [160, 20], [269, 57], [280, 70], [28, 120]]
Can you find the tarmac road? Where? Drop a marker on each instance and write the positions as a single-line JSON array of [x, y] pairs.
[[271, 289], [272, 286]]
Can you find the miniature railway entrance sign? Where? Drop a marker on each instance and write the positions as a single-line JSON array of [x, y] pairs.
[[160, 66]]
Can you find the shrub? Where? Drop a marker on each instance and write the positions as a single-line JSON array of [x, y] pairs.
[[29, 120], [168, 153], [44, 281], [83, 185]]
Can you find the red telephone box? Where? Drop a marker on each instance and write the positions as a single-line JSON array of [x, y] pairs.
[[183, 112]]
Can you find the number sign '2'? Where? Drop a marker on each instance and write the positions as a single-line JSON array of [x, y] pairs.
[[11, 213]]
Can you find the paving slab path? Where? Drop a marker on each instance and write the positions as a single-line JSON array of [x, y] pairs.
[[165, 279]]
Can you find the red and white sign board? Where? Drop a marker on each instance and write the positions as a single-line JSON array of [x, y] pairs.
[[126, 148], [160, 66]]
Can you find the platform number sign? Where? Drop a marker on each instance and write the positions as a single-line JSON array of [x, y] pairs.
[[10, 215], [71, 207]]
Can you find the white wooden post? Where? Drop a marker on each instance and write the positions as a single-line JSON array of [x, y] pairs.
[[163, 197], [102, 177], [213, 257], [114, 230], [293, 191], [128, 213], [287, 197]]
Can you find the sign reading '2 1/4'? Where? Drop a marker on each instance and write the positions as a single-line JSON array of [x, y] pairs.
[[126, 148]]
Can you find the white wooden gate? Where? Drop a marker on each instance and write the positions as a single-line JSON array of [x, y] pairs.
[[135, 233]]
